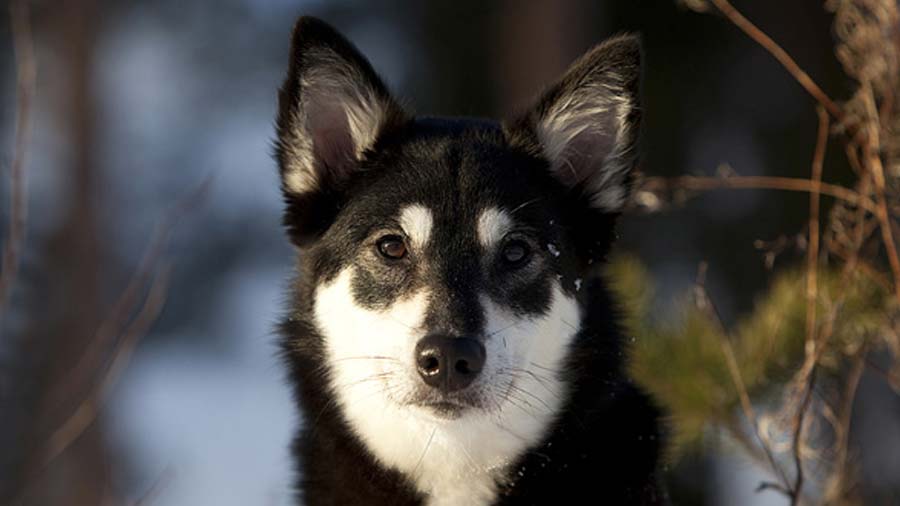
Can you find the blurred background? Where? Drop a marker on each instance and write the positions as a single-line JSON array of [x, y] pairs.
[[141, 107]]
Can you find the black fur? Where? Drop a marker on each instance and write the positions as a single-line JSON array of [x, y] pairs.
[[604, 447]]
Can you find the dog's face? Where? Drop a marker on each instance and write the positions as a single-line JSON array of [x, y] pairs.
[[447, 258]]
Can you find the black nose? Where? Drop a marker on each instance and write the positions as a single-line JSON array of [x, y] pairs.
[[449, 363]]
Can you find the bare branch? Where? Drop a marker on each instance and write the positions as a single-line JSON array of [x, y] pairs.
[[839, 479], [701, 183], [26, 70], [129, 299], [780, 54], [812, 268], [158, 486], [872, 157], [812, 264], [90, 407], [705, 304], [797, 437], [753, 420]]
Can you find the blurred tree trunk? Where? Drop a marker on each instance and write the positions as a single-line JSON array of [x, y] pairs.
[[536, 41], [61, 329]]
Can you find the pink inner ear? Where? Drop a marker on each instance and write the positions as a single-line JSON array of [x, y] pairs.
[[582, 155], [588, 142], [329, 130]]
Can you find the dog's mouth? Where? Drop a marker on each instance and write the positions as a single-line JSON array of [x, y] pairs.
[[449, 407], [445, 409]]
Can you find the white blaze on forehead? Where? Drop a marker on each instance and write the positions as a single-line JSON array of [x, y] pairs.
[[493, 224], [417, 221]]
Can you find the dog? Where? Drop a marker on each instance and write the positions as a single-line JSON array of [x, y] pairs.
[[451, 339]]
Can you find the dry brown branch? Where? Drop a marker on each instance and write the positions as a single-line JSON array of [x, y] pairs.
[[90, 407], [114, 323], [804, 382], [853, 158], [812, 264], [127, 336], [881, 372], [750, 414], [861, 29], [703, 183], [127, 303], [839, 479], [871, 150], [781, 55], [705, 304], [26, 70], [867, 269], [164, 479], [737, 431], [797, 436], [860, 232], [812, 267]]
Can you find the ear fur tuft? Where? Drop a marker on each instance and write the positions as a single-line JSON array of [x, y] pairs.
[[586, 124], [332, 109]]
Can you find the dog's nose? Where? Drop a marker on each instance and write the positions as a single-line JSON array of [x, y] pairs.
[[449, 363]]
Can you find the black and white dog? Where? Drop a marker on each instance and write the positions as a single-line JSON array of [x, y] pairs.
[[451, 340]]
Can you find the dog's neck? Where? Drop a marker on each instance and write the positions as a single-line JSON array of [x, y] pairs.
[[604, 446]]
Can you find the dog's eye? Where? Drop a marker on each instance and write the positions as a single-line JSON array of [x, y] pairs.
[[392, 247], [515, 253]]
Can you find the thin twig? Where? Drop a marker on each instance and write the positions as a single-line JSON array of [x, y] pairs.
[[812, 264], [781, 55], [702, 183], [839, 469], [769, 485], [881, 372], [163, 481], [26, 70], [129, 299], [706, 305], [871, 272], [805, 380], [737, 430], [812, 268], [90, 407], [750, 414], [851, 231], [797, 438], [871, 150]]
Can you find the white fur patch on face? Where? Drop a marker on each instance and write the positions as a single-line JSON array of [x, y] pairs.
[[493, 224], [452, 461], [298, 179], [416, 221]]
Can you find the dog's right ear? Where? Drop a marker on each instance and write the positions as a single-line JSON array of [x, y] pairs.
[[332, 108]]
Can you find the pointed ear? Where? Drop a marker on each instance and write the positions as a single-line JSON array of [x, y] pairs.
[[586, 124], [332, 108]]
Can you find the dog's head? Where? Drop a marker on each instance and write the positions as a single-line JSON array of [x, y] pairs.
[[447, 260]]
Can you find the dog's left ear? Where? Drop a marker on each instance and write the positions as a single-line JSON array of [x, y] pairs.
[[332, 109], [586, 124]]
